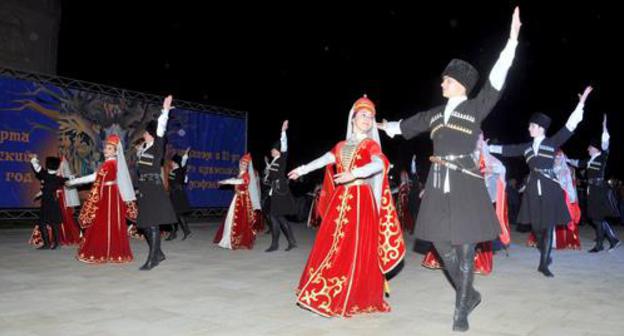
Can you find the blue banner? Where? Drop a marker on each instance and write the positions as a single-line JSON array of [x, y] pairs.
[[46, 120]]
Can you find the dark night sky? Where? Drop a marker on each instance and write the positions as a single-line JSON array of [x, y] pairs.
[[309, 63]]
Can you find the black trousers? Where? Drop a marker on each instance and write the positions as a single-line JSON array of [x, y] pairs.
[[604, 230], [277, 223]]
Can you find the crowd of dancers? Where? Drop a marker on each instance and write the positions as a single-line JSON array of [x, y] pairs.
[[462, 207]]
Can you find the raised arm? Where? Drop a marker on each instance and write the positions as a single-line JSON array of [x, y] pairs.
[[34, 161], [604, 139], [489, 94], [164, 116], [185, 157], [575, 118], [283, 138], [502, 65]]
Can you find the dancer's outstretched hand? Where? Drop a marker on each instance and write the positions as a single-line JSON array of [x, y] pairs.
[[583, 97], [382, 125], [515, 24], [284, 125], [293, 175]]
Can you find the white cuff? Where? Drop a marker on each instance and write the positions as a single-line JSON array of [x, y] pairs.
[[327, 158], [604, 139], [495, 149], [36, 165], [500, 69], [233, 181], [393, 128], [162, 123], [283, 142], [374, 167], [82, 180], [575, 118], [573, 162]]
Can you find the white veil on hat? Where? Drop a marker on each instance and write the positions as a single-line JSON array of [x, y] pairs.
[[71, 194], [124, 182], [254, 187]]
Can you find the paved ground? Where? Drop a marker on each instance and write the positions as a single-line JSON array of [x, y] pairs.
[[204, 290]]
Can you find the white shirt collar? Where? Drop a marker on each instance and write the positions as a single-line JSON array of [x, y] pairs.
[[537, 141], [146, 146], [451, 104], [593, 157]]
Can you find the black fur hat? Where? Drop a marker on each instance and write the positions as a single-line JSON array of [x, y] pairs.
[[277, 145], [151, 128], [596, 143], [463, 72], [177, 159], [52, 163], [541, 119]]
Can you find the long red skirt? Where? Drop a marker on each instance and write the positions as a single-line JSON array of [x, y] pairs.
[[106, 241], [342, 276]]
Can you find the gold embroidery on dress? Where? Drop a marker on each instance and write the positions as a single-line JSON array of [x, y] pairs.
[[388, 249]]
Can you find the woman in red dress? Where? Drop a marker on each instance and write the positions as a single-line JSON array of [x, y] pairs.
[[103, 215], [237, 231], [360, 238]]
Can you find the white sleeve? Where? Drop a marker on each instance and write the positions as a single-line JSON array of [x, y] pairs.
[[35, 163], [495, 149], [283, 142], [370, 169], [573, 162], [575, 118], [162, 123], [500, 69], [232, 181], [82, 180], [326, 159], [605, 139], [184, 159], [393, 128]]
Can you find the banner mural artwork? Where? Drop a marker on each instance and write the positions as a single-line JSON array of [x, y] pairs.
[[42, 119]]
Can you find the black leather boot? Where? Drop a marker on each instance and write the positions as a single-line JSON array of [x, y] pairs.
[[462, 301], [57, 238], [43, 230], [174, 232], [151, 234], [290, 237], [545, 259], [600, 236], [185, 228], [275, 232], [160, 255]]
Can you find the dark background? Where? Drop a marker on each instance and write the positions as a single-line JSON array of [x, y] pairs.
[[309, 62]]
